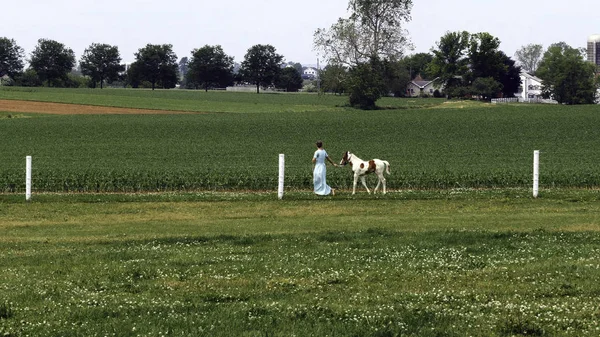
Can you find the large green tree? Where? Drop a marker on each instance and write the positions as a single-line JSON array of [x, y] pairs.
[[52, 62], [373, 33], [156, 64], [462, 58], [289, 79], [11, 57], [101, 62], [529, 57], [334, 78], [483, 56], [450, 60], [418, 64], [395, 77], [366, 84], [374, 29], [511, 78], [210, 67], [566, 76], [487, 61], [261, 65]]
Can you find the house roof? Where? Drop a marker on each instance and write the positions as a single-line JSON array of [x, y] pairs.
[[528, 75], [420, 82]]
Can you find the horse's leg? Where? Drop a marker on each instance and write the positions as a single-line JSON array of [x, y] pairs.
[[382, 179], [354, 185], [362, 178], [378, 182]]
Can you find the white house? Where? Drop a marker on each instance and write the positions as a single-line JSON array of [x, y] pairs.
[[310, 71], [531, 86], [420, 87]]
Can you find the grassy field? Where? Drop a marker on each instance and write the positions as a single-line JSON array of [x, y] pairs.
[[471, 263], [198, 101], [430, 144], [457, 248]]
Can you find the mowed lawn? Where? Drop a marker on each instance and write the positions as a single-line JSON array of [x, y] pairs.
[[453, 263]]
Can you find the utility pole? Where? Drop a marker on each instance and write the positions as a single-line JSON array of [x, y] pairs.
[[318, 78]]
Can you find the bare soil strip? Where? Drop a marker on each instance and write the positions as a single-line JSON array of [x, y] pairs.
[[75, 109]]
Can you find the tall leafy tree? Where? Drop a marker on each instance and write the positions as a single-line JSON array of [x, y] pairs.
[[289, 79], [373, 33], [261, 65], [462, 58], [487, 61], [511, 79], [418, 64], [11, 57], [334, 78], [52, 61], [101, 62], [134, 75], [374, 29], [395, 77], [450, 60], [484, 58], [157, 64], [566, 76], [210, 67], [529, 57], [366, 84]]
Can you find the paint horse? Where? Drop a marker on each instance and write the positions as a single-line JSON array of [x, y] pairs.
[[361, 168]]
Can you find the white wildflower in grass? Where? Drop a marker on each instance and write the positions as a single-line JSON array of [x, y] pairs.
[[197, 277]]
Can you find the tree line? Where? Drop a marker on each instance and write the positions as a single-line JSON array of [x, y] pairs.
[[366, 59], [366, 55], [155, 66]]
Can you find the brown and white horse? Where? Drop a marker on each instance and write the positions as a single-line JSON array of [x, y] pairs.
[[361, 168]]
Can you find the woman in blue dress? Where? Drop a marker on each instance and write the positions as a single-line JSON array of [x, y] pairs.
[[320, 171]]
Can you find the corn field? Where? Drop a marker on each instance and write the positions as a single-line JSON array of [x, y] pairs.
[[433, 148]]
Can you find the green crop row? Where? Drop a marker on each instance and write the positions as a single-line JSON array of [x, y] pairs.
[[449, 146], [89, 180]]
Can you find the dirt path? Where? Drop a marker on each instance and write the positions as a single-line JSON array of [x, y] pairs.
[[74, 109]]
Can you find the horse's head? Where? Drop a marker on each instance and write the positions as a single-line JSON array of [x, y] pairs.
[[346, 158]]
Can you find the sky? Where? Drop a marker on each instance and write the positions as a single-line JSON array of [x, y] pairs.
[[288, 25]]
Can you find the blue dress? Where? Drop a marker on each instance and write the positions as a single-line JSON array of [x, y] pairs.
[[320, 172]]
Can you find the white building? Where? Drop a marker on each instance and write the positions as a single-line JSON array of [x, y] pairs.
[[310, 71], [420, 87], [531, 86]]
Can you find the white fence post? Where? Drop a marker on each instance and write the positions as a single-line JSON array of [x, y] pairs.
[[536, 173], [28, 178], [281, 175]]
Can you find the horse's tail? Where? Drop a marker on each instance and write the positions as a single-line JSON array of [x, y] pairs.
[[387, 166]]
